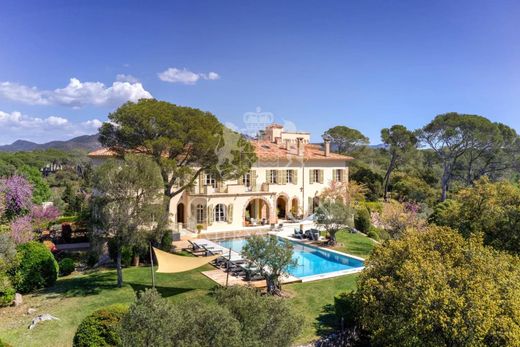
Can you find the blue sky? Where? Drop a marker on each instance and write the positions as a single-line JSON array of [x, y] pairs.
[[64, 65]]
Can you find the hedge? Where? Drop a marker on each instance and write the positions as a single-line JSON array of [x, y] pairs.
[[67, 266], [37, 269], [101, 328]]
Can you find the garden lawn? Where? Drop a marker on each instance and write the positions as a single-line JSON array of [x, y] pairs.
[[314, 301], [354, 243], [74, 297]]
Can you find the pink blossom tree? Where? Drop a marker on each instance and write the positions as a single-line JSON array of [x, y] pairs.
[[18, 195], [22, 230], [42, 216]]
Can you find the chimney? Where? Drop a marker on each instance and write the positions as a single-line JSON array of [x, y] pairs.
[[278, 141], [301, 147], [327, 146]]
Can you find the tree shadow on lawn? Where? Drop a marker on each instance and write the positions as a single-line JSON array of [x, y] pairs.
[[92, 284], [327, 322], [164, 291]]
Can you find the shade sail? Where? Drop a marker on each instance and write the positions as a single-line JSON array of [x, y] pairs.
[[171, 263]]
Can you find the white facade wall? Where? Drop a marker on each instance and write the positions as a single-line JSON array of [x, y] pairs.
[[235, 196]]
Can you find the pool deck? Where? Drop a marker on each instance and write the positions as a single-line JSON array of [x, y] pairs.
[[220, 276]]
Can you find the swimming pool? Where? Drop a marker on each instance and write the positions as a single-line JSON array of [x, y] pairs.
[[311, 261]]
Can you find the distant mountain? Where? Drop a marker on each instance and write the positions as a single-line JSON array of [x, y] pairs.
[[381, 145], [85, 142]]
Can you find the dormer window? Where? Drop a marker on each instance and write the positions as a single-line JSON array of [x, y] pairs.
[[210, 181]]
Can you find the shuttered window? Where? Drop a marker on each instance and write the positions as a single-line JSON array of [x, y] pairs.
[[289, 176], [272, 176], [229, 214], [339, 175], [220, 213], [246, 179], [200, 213], [210, 214]]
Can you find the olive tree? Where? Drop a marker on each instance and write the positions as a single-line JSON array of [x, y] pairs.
[[272, 258], [126, 203], [333, 216], [237, 316]]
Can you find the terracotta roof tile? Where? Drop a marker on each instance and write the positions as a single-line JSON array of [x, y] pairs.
[[265, 151], [102, 153]]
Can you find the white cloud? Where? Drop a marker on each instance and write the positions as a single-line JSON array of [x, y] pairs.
[[185, 76], [57, 121], [126, 78], [18, 92], [213, 76], [92, 124], [16, 125], [76, 93]]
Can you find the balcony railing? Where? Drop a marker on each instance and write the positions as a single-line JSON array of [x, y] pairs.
[[230, 189]]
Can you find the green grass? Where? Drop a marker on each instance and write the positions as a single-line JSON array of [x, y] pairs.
[[314, 299], [76, 296], [355, 244]]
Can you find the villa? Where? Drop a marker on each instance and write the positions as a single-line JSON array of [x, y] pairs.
[[283, 185]]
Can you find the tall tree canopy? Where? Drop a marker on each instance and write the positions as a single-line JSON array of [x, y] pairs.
[[498, 152], [183, 141], [492, 209], [400, 142], [127, 202], [462, 141], [346, 139]]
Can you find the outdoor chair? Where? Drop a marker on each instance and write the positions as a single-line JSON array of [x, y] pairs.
[[297, 234]]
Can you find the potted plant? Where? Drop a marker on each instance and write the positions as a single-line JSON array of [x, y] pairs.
[[199, 228]]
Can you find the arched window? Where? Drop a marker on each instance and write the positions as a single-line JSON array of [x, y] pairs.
[[200, 213], [220, 213]]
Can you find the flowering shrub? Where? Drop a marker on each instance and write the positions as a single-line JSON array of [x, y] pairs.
[[18, 194], [396, 217], [22, 230], [41, 216]]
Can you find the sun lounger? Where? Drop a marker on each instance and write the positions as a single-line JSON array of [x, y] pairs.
[[210, 251]]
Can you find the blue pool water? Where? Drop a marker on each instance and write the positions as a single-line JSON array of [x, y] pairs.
[[311, 260]]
